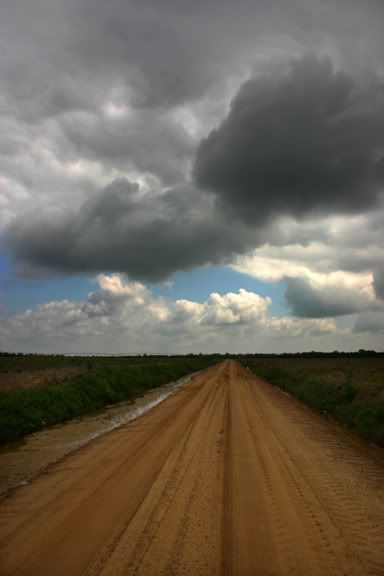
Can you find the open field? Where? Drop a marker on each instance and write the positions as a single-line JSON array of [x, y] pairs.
[[19, 380], [20, 362], [32, 370], [228, 476], [350, 390], [104, 381]]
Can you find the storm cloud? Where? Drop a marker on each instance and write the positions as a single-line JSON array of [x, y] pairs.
[[123, 229], [309, 140], [146, 138], [296, 143], [306, 300]]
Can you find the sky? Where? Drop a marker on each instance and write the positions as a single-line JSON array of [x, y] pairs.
[[182, 176]]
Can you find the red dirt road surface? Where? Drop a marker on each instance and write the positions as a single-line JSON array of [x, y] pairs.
[[229, 476]]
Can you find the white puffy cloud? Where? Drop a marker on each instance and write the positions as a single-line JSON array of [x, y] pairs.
[[313, 262], [297, 328], [329, 268], [125, 316], [230, 308]]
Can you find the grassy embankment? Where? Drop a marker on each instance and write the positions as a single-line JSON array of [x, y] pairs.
[[350, 390], [25, 411]]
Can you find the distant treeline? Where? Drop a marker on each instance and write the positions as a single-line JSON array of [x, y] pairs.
[[85, 356], [336, 354], [313, 354]]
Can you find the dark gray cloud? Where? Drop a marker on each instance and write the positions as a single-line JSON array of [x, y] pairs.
[[308, 301], [372, 322], [378, 282], [295, 143], [94, 90], [309, 140], [62, 61], [150, 236], [63, 55], [120, 229], [148, 142]]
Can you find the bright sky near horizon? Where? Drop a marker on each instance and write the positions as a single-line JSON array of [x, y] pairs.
[[182, 176]]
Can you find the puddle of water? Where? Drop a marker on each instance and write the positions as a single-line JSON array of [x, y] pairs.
[[23, 460]]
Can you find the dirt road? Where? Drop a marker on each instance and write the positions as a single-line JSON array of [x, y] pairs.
[[228, 476]]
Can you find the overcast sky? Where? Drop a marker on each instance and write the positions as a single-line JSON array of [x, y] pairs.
[[191, 176]]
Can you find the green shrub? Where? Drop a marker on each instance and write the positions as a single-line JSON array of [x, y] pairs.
[[345, 390], [25, 411]]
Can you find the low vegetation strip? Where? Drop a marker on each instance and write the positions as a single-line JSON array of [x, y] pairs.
[[349, 390], [25, 411]]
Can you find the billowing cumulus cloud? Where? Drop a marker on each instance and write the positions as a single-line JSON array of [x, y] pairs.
[[124, 229], [294, 143], [125, 314], [331, 262], [225, 309], [309, 140], [124, 85], [147, 138], [329, 267]]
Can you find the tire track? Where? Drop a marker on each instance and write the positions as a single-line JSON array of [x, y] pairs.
[[227, 477], [348, 502]]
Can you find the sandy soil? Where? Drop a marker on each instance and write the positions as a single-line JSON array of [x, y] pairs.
[[228, 476]]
